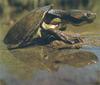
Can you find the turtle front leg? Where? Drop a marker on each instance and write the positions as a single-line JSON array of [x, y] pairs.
[[63, 40], [61, 45], [66, 38]]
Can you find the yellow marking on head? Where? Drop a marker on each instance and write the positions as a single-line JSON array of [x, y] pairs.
[[56, 20], [49, 26], [52, 25]]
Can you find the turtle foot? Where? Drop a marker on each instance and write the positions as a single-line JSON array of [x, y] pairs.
[[61, 45]]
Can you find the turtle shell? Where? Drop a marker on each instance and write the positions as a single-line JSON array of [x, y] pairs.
[[24, 29]]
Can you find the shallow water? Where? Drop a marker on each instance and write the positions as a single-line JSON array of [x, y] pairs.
[[35, 66], [16, 68]]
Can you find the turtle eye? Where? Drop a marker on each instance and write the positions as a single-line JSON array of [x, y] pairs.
[[87, 14], [56, 21]]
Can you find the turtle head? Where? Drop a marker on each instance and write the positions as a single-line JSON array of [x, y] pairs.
[[79, 17], [57, 19]]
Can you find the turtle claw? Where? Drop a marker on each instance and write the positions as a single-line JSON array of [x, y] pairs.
[[61, 45], [77, 46], [74, 41]]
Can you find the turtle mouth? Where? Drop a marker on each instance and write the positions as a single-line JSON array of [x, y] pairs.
[[90, 17], [90, 21]]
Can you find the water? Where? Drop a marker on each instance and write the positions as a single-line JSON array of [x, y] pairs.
[[35, 66], [26, 70]]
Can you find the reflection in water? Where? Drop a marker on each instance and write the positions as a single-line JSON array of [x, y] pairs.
[[49, 59], [46, 66]]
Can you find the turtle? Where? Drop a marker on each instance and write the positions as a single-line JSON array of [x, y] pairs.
[[45, 24]]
